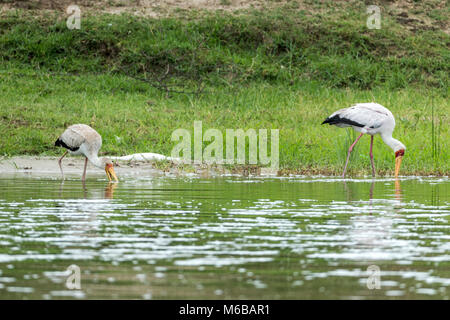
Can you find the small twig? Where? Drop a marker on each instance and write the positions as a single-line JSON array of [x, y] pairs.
[[159, 84]]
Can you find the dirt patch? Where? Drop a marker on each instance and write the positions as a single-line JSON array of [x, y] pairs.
[[144, 7], [414, 15]]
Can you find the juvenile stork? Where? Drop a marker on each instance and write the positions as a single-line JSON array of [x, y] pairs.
[[81, 139], [370, 118]]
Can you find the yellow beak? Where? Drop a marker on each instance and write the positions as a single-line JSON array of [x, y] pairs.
[[111, 174], [398, 163]]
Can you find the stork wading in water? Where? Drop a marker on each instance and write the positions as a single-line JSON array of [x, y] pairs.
[[372, 119], [81, 139]]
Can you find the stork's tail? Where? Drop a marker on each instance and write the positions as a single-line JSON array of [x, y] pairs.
[[337, 120], [332, 120], [60, 143]]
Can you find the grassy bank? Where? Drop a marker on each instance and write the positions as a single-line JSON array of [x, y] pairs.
[[286, 69]]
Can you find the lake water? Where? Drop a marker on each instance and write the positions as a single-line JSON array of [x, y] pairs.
[[224, 238]]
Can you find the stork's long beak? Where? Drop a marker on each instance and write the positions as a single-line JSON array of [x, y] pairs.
[[398, 163], [111, 174]]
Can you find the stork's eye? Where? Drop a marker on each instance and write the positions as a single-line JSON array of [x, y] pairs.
[[400, 153]]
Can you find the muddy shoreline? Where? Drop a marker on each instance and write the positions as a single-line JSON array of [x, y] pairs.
[[47, 166], [43, 166], [73, 167]]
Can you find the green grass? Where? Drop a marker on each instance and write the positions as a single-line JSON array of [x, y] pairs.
[[281, 45], [285, 69]]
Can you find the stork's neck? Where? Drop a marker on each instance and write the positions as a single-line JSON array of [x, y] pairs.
[[96, 161], [394, 144]]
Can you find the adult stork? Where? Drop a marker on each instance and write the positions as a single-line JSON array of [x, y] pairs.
[[81, 139], [372, 119]]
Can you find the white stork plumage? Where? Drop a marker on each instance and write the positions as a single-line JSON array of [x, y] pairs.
[[372, 119], [81, 139]]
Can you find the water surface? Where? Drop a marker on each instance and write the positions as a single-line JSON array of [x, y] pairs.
[[225, 238]]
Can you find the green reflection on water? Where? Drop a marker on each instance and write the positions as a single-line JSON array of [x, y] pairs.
[[224, 238]]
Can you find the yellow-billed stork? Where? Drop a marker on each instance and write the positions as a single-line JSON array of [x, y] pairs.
[[372, 119], [81, 139]]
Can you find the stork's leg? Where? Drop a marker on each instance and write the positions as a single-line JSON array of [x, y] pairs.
[[371, 156], [350, 151], [83, 178], [60, 165]]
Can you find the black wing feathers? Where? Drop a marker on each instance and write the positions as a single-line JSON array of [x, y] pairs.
[[60, 143], [336, 119]]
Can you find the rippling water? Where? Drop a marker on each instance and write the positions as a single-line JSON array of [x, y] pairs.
[[228, 237]]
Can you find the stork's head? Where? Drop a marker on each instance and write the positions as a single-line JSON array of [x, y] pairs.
[[109, 169], [398, 159]]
